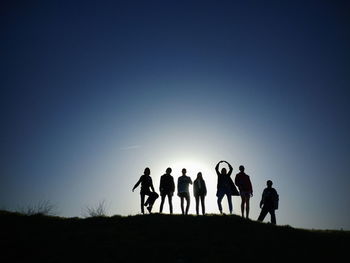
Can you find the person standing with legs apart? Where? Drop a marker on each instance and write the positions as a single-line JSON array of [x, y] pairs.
[[199, 192], [242, 180], [183, 183], [269, 203], [225, 186], [146, 184], [166, 188]]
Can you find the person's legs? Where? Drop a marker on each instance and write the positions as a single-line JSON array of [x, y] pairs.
[[219, 203], [220, 195], [197, 204], [182, 204], [152, 198], [147, 201], [202, 203], [142, 203], [229, 199], [161, 203], [242, 204], [170, 199], [262, 215], [188, 201], [273, 216], [247, 206]]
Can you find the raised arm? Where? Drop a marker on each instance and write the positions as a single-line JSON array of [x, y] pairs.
[[217, 168], [230, 168]]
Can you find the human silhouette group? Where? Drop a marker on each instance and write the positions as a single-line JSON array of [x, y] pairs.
[[225, 187]]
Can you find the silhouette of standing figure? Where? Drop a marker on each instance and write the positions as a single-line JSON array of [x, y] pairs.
[[269, 203], [242, 180], [225, 186], [146, 183], [166, 188], [183, 183], [199, 192]]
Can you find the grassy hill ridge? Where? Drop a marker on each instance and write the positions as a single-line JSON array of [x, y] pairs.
[[161, 238]]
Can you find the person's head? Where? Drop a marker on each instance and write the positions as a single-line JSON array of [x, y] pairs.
[[168, 170], [241, 168], [223, 171], [147, 171], [269, 183], [184, 171], [199, 175]]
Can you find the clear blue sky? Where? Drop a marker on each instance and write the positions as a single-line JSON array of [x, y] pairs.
[[92, 92]]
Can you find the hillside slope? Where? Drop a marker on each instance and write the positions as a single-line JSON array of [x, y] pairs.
[[161, 238]]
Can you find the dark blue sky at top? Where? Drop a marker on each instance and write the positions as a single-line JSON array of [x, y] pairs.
[[74, 71]]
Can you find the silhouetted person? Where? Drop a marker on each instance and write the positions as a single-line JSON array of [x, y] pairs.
[[166, 188], [269, 202], [199, 192], [244, 185], [225, 186], [146, 184], [183, 183]]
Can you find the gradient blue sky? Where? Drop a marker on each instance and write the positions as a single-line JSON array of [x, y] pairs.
[[92, 92]]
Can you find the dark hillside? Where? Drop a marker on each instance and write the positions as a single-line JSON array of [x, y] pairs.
[[161, 238]]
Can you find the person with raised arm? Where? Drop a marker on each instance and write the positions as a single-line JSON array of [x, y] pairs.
[[225, 186]]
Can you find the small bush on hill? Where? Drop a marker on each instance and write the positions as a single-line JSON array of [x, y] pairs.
[[96, 211], [41, 208]]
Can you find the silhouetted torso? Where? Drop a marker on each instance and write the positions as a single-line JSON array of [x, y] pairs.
[[183, 184], [167, 185], [199, 187], [224, 180], [270, 198], [242, 180], [146, 184], [225, 184]]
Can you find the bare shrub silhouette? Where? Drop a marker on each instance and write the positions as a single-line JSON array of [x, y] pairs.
[[41, 208], [96, 211]]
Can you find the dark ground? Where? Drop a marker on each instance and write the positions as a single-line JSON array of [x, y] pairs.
[[162, 238]]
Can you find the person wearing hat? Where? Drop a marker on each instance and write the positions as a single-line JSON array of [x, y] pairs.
[[225, 186]]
